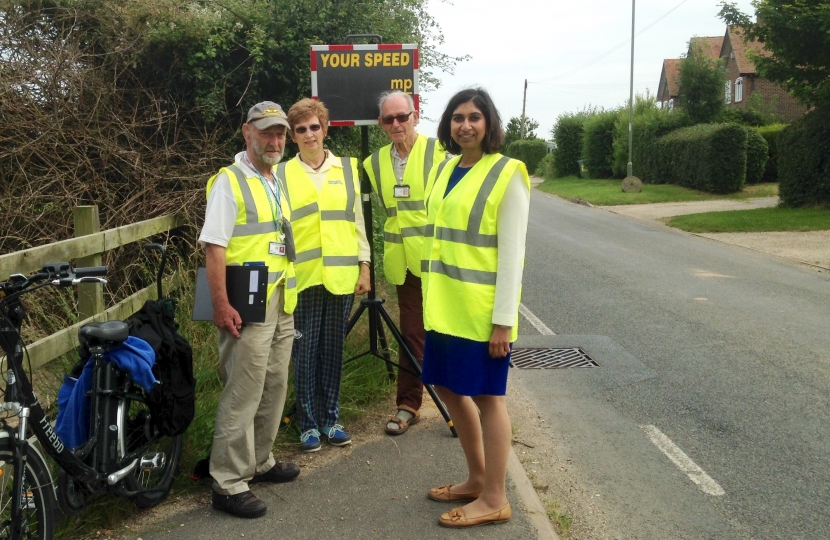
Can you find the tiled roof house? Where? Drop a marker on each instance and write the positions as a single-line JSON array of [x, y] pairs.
[[669, 86], [742, 81]]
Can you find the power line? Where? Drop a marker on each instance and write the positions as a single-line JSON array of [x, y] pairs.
[[603, 55]]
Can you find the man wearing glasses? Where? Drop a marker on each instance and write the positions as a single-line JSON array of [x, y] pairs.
[[398, 173], [246, 222]]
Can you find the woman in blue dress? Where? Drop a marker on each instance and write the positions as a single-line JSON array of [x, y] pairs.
[[472, 263]]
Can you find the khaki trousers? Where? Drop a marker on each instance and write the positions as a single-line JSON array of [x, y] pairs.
[[254, 370]]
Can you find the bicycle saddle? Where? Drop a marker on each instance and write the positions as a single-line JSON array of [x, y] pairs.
[[112, 331]]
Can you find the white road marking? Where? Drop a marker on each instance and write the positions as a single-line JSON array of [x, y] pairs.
[[683, 462], [535, 321]]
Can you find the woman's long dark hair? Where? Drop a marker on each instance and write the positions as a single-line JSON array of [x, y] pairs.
[[494, 136]]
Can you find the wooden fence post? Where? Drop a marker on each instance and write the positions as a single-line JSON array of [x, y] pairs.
[[90, 295]]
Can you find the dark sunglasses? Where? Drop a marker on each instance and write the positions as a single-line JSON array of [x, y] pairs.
[[401, 118], [302, 129]]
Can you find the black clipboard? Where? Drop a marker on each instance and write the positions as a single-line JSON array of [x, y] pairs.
[[247, 292]]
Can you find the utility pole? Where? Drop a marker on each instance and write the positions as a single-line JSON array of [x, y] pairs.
[[631, 183], [524, 102], [631, 100]]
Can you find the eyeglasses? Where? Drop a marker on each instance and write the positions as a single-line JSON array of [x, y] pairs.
[[302, 129], [401, 118]]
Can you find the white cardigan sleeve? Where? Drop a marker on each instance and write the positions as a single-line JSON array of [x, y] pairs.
[[512, 230]]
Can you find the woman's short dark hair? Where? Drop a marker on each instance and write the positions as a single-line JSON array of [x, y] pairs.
[[494, 136]]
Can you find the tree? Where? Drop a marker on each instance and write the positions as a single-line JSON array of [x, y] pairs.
[[701, 85], [513, 130], [795, 34]]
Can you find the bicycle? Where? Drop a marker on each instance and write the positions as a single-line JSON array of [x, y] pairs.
[[125, 454]]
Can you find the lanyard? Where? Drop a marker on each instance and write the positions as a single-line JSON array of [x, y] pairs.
[[273, 196]]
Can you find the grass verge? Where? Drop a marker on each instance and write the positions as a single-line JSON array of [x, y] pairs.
[[756, 220], [603, 192]]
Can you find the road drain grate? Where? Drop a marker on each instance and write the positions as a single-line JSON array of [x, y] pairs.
[[573, 357]]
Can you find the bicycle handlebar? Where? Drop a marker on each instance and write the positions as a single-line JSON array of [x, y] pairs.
[[59, 273]]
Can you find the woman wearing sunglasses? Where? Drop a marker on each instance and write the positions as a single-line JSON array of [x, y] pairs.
[[472, 262], [332, 265]]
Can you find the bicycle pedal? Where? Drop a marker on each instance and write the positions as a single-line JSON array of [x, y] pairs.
[[152, 461]]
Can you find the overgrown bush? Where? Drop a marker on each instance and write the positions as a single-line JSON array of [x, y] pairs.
[[770, 134], [598, 143], [567, 134], [707, 157], [757, 155], [530, 152], [649, 123], [803, 162], [545, 167]]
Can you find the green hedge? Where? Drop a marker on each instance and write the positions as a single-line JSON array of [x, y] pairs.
[[598, 144], [707, 157], [803, 162], [567, 134], [757, 155], [531, 152], [649, 124], [770, 134], [545, 167]]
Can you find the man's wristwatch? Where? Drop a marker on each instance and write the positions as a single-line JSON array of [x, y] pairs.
[[364, 262]]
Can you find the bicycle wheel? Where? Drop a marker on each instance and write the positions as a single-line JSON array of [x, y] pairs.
[[38, 509], [153, 477]]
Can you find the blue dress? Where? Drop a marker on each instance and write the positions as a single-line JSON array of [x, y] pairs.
[[463, 365]]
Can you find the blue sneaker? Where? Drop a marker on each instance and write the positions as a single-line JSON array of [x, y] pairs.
[[336, 435], [310, 441]]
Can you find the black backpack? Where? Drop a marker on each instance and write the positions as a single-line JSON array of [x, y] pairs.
[[172, 403]]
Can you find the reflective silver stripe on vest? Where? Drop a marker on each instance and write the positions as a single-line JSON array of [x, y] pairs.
[[409, 232], [340, 260], [424, 265], [350, 194], [428, 159], [469, 238], [252, 229], [273, 277], [305, 211], [461, 274], [251, 216], [284, 182], [338, 215], [291, 283], [411, 205], [376, 169], [309, 255], [477, 212], [392, 238], [429, 231], [437, 176], [391, 212]]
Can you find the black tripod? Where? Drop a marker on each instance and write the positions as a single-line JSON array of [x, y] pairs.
[[373, 305]]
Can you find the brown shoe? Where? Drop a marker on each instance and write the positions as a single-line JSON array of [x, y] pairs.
[[443, 494], [244, 505], [456, 518], [279, 473]]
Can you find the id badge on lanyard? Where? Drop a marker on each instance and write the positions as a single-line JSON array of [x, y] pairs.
[[400, 192], [277, 248]]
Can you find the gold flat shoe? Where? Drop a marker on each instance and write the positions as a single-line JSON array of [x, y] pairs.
[[457, 518], [443, 494]]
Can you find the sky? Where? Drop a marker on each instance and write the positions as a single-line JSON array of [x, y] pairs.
[[564, 50]]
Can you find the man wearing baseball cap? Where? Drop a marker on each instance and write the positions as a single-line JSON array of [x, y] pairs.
[[247, 222]]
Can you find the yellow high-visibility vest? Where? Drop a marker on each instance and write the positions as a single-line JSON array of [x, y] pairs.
[[324, 226], [461, 255], [406, 218], [254, 229]]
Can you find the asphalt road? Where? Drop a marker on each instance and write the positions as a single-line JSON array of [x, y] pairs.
[[724, 351]]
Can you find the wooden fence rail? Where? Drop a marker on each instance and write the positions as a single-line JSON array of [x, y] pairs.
[[86, 250]]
